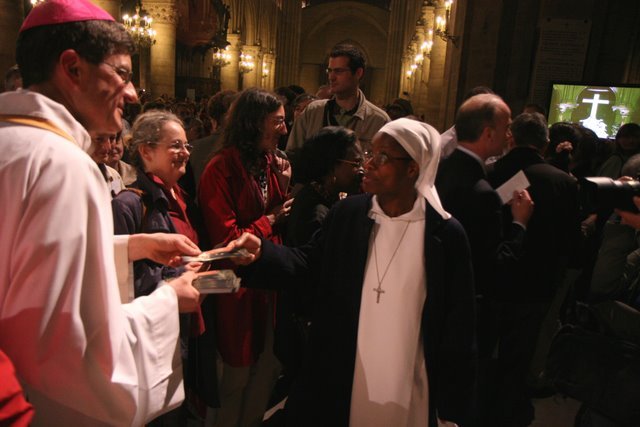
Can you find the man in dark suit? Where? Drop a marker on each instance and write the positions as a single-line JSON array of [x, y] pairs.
[[482, 126], [552, 235], [361, 334]]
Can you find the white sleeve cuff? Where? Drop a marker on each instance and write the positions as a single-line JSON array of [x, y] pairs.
[[124, 268]]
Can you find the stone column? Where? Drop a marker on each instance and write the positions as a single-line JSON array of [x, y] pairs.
[[272, 76], [163, 52], [426, 35], [10, 21], [288, 44], [432, 108], [145, 67], [405, 78], [252, 78], [111, 6], [207, 64], [453, 64], [396, 48], [267, 65], [229, 73]]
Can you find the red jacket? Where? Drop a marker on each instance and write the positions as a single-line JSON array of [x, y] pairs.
[[231, 203], [14, 409]]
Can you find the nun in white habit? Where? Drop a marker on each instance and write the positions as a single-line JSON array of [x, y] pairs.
[[393, 330], [390, 380]]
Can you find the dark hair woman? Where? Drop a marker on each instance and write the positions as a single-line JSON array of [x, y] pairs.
[[244, 189], [330, 164]]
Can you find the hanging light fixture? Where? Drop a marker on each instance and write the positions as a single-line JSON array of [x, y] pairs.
[[139, 26], [221, 57], [246, 63]]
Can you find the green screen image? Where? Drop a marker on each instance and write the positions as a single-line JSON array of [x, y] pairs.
[[602, 109]]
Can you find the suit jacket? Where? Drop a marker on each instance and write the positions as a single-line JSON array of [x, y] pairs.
[[553, 232], [466, 193], [333, 265]]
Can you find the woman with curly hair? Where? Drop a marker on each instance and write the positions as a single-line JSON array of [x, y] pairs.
[[244, 189]]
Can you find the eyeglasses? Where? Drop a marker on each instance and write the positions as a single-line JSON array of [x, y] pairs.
[[279, 121], [355, 164], [123, 73], [380, 159], [176, 146], [337, 70]]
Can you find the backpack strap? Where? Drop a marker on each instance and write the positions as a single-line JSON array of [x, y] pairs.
[[37, 122]]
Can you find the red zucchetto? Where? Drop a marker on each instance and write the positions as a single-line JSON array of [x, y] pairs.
[[62, 11]]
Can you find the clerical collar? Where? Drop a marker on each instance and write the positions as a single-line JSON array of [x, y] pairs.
[[417, 213]]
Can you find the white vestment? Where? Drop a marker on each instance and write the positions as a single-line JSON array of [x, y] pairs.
[[390, 380], [82, 356]]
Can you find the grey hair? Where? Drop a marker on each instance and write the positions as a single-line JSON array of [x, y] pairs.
[[147, 129]]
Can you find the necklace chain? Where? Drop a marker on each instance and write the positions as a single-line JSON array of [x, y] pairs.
[[379, 289]]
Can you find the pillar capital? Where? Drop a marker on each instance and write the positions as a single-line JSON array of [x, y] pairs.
[[162, 11]]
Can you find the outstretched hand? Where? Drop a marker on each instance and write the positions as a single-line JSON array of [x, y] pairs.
[[163, 248], [249, 242], [280, 212]]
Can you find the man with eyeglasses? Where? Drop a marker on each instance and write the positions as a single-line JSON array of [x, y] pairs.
[[83, 357], [347, 107]]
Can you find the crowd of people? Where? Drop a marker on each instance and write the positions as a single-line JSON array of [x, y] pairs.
[[388, 279]]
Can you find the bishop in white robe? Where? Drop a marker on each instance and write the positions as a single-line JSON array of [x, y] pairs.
[[82, 357]]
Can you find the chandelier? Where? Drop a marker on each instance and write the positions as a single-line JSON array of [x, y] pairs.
[[221, 57], [139, 27], [246, 63]]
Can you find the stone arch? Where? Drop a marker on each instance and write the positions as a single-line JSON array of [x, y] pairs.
[[360, 24]]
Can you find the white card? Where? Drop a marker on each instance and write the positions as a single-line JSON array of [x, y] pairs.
[[517, 182]]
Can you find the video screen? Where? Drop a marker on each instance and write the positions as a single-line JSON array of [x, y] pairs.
[[602, 109]]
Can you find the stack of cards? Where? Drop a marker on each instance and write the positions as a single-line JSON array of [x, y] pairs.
[[217, 282], [213, 256]]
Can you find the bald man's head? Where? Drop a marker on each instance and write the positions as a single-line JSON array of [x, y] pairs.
[[478, 113]]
